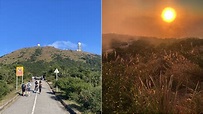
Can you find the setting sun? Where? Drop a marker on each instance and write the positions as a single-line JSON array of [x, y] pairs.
[[168, 14]]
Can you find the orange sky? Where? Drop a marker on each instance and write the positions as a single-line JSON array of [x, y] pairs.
[[143, 18]]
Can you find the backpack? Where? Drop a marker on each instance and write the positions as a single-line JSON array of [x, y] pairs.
[[23, 86], [29, 85]]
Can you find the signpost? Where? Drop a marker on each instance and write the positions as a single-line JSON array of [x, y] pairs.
[[56, 71], [19, 72]]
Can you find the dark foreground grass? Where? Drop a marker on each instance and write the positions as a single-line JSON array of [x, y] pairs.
[[147, 79]]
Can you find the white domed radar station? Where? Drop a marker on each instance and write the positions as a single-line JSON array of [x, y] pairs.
[[79, 46]]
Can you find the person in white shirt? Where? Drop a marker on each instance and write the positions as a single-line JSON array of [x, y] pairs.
[[28, 88]]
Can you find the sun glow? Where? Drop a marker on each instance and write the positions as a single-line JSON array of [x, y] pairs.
[[168, 14]]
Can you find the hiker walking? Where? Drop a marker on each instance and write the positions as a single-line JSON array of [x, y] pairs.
[[23, 87], [28, 88], [40, 86], [36, 86]]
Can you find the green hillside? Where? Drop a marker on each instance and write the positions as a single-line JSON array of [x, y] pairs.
[[152, 75], [79, 72]]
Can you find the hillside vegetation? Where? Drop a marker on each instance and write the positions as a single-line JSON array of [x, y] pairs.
[[79, 73], [151, 75]]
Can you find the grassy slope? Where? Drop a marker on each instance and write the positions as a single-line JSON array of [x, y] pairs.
[[154, 76], [44, 60], [47, 54]]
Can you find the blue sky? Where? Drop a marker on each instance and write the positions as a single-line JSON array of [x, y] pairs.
[[58, 23]]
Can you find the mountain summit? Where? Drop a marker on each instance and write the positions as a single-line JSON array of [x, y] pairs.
[[46, 54]]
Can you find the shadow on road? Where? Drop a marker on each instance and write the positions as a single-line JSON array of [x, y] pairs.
[[19, 93], [50, 93], [53, 97], [74, 106], [67, 106], [70, 107]]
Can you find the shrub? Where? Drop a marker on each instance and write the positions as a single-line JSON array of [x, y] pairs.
[[3, 89]]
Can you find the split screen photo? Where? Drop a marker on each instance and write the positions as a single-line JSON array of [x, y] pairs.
[[111, 56], [152, 56]]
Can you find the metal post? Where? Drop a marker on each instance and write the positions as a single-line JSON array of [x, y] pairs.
[[22, 79], [16, 82], [56, 71], [56, 80]]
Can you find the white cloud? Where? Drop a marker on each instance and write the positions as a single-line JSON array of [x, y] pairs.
[[83, 45], [66, 45]]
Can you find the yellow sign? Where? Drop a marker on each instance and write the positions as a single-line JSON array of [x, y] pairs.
[[19, 71]]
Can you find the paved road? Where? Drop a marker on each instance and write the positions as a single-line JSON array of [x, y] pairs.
[[44, 103]]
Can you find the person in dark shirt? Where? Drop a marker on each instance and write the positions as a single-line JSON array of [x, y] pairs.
[[36, 86], [40, 86], [23, 89]]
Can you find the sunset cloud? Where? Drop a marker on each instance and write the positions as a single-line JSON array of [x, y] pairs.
[[143, 18]]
